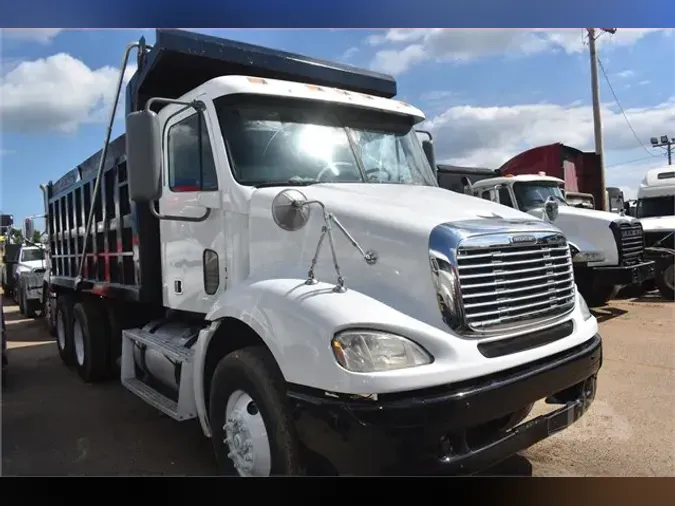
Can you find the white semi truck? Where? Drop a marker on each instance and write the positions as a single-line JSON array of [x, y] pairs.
[[607, 249], [656, 211], [267, 250]]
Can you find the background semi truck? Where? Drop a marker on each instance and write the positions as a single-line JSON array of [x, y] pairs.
[[656, 210], [609, 250], [267, 250]]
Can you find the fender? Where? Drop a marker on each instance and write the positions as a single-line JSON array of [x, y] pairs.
[[296, 322], [583, 245]]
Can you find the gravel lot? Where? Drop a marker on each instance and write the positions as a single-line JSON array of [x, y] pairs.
[[54, 424]]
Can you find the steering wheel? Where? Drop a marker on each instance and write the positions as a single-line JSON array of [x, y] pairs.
[[329, 168], [379, 169]]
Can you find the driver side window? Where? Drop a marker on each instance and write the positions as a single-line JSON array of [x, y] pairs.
[[191, 165]]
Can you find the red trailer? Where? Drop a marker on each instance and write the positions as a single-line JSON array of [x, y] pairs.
[[580, 170]]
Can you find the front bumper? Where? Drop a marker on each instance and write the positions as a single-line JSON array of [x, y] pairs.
[[452, 429], [624, 275]]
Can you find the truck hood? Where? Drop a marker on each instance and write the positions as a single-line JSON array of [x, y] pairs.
[[588, 230], [395, 221], [33, 264], [658, 224]]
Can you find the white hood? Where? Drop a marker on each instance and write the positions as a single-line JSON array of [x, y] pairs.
[[658, 224], [588, 230], [33, 264], [393, 220]]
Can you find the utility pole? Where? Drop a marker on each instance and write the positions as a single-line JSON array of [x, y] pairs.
[[597, 120], [664, 142]]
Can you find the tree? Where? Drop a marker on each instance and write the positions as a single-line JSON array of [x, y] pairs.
[[17, 236], [37, 236]]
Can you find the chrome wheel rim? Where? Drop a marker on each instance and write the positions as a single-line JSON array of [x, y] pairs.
[[246, 436]]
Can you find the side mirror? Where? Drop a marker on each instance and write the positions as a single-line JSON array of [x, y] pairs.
[[428, 147], [28, 229], [290, 210], [468, 186], [551, 208], [144, 156]]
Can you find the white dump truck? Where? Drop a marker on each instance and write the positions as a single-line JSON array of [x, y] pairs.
[[267, 250], [656, 211], [607, 249]]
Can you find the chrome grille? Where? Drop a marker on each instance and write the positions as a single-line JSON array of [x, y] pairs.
[[506, 286], [630, 243]]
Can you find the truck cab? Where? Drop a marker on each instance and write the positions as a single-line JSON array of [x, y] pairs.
[[607, 250], [656, 210], [270, 253]]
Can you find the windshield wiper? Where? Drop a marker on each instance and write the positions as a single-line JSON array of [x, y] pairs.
[[268, 184]]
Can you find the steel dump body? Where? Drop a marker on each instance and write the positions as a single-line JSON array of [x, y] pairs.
[[123, 248]]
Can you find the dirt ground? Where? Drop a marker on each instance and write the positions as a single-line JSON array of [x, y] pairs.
[[54, 424]]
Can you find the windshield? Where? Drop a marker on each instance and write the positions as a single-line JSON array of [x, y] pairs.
[[274, 142], [533, 195], [656, 206], [28, 255]]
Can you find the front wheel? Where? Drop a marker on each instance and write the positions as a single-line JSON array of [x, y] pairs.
[[665, 275], [253, 433], [595, 294]]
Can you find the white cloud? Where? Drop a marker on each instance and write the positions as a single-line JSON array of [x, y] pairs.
[[404, 48], [40, 35], [625, 74], [489, 136], [349, 53], [58, 93]]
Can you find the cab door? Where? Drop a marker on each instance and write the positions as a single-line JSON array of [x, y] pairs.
[[192, 234]]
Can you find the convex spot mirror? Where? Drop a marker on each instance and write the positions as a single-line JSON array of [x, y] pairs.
[[289, 210]]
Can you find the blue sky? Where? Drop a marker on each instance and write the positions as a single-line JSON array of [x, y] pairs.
[[487, 94]]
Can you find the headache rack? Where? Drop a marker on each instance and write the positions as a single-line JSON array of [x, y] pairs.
[[122, 248]]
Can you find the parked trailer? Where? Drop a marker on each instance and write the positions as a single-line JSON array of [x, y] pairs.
[[200, 267]]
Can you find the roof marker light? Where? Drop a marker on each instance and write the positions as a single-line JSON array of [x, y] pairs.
[[256, 80]]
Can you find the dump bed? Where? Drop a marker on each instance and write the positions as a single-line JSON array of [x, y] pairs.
[[180, 61], [450, 176], [123, 248]]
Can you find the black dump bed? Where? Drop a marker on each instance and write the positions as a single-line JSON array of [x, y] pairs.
[[450, 176], [181, 61], [123, 248]]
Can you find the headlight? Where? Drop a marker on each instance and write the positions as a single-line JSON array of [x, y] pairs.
[[589, 256], [585, 312], [376, 351]]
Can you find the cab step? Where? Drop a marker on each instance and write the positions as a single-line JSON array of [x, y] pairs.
[[153, 397], [170, 346], [160, 342]]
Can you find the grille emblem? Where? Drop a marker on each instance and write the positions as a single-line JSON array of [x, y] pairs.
[[523, 239]]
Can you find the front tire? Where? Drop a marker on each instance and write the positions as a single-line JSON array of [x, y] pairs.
[[253, 433], [596, 295], [665, 275]]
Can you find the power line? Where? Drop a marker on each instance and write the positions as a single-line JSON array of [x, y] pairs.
[[630, 161], [618, 103]]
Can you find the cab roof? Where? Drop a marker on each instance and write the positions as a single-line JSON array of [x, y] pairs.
[[523, 178]]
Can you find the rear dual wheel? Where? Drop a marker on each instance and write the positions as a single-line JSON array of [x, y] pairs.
[[81, 339]]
